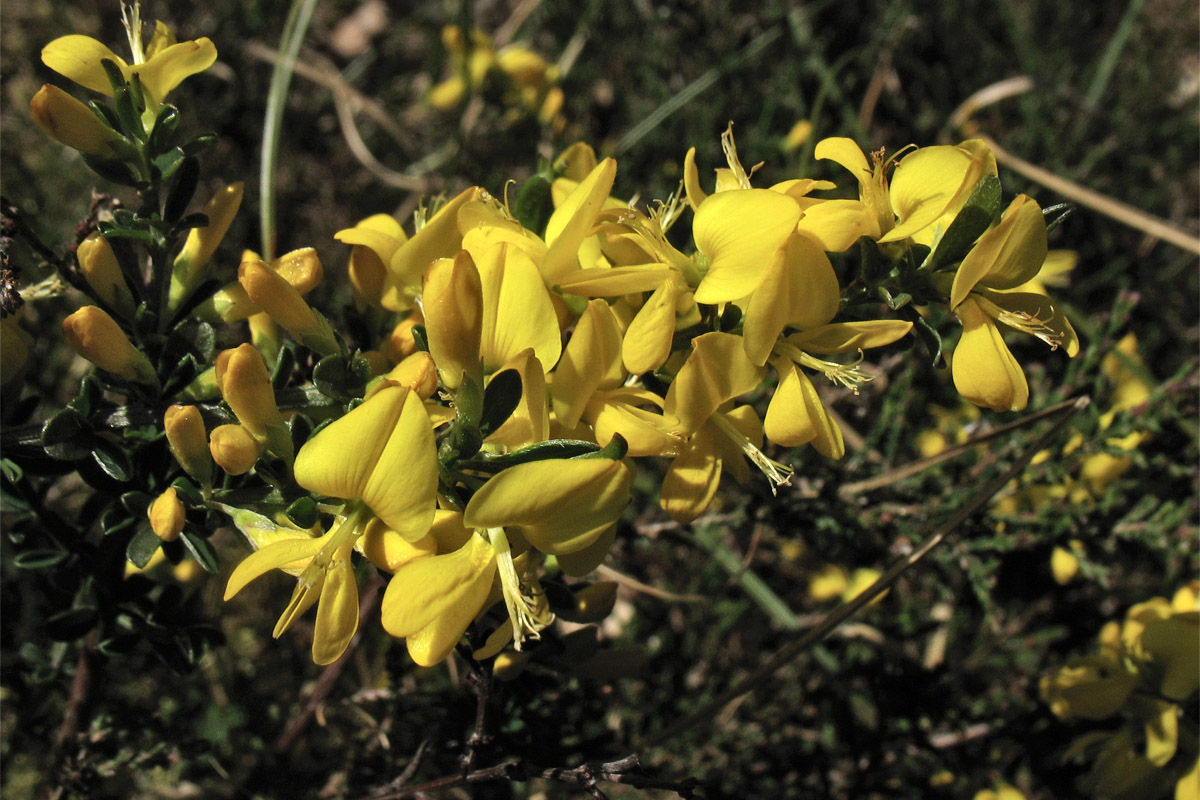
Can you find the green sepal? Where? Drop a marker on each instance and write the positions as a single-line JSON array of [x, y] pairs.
[[285, 363], [977, 215], [930, 338], [1056, 215], [342, 377], [555, 448], [500, 399], [615, 450], [421, 338], [142, 546]]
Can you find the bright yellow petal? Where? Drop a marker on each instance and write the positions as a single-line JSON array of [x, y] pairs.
[[78, 58], [337, 611], [590, 361], [837, 224], [846, 337], [647, 433], [846, 152], [439, 238], [382, 453], [647, 342], [574, 500], [517, 310], [691, 180], [799, 290], [572, 221], [1007, 255], [581, 562], [690, 484], [171, 66], [739, 232], [796, 416], [616, 281], [924, 185], [273, 556], [530, 421], [716, 371], [448, 588], [984, 370]]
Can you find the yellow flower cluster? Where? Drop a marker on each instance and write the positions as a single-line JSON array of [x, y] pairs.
[[514, 363], [1145, 672]]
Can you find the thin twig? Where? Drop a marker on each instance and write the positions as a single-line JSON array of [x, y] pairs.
[[842, 613], [645, 588]]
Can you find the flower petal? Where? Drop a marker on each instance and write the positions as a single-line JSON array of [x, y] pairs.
[[716, 371], [739, 232], [984, 370], [926, 183], [273, 556], [78, 58], [572, 221], [337, 611], [449, 589], [171, 66], [1007, 255], [517, 311]]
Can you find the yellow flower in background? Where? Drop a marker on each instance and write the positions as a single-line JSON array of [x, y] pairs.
[[160, 66], [1002, 791]]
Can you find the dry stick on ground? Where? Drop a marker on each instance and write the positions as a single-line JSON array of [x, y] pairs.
[[811, 637], [1151, 225]]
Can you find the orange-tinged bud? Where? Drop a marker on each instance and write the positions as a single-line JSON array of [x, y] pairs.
[[417, 372], [234, 449], [271, 292], [453, 302], [246, 387], [99, 266], [188, 441], [93, 334], [166, 516], [69, 121], [401, 343]]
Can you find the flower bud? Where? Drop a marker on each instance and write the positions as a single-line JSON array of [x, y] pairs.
[[202, 242], [99, 266], [234, 449], [93, 334], [1064, 565], [453, 303], [69, 121], [271, 292], [401, 343], [166, 516], [417, 372], [246, 387], [189, 443]]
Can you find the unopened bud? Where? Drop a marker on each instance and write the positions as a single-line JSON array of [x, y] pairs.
[[417, 372], [69, 121], [452, 297], [234, 449], [246, 387], [202, 242], [189, 443], [401, 343], [93, 334], [166, 516], [274, 295], [100, 268]]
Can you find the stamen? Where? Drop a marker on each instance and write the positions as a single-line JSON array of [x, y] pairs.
[[133, 31], [522, 609], [777, 474]]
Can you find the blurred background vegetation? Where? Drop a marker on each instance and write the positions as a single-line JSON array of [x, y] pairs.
[[934, 691]]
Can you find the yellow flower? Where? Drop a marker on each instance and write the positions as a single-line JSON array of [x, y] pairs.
[[431, 601], [161, 66], [326, 577], [188, 442], [69, 121], [166, 515], [1091, 687], [247, 389], [1006, 256], [100, 268]]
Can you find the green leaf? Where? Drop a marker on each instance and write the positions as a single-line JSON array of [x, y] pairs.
[[162, 134], [285, 363], [186, 181], [67, 435], [143, 545], [981, 209], [341, 377], [40, 559], [168, 163], [183, 373], [68, 625], [112, 459], [188, 493], [116, 520], [11, 470], [201, 549], [199, 144], [500, 399]]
